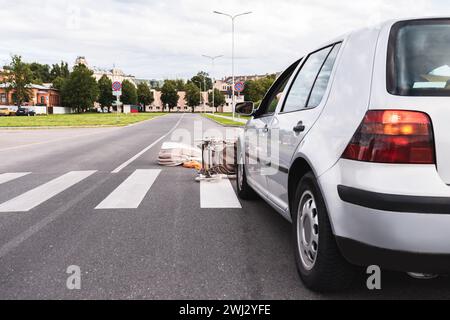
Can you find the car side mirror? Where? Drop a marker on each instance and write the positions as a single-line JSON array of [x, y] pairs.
[[245, 108]]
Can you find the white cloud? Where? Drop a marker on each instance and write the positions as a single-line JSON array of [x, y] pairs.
[[166, 38]]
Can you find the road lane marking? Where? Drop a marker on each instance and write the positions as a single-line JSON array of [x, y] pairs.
[[128, 162], [218, 194], [6, 177], [33, 198], [31, 231], [131, 192]]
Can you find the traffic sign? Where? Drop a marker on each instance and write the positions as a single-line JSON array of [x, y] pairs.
[[117, 86], [239, 86]]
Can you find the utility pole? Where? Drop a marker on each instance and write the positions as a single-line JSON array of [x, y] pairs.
[[213, 59], [233, 18]]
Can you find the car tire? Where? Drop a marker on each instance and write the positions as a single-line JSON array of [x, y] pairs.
[[245, 192], [320, 263]]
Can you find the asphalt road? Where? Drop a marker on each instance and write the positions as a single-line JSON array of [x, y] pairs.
[[169, 247]]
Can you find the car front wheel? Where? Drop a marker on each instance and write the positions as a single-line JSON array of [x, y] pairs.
[[244, 191], [320, 264]]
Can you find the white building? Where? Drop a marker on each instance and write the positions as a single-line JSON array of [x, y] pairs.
[[114, 74], [225, 87]]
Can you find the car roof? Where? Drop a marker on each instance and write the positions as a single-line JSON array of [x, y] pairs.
[[369, 29]]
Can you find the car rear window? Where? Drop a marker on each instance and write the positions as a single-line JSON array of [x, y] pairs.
[[419, 58]]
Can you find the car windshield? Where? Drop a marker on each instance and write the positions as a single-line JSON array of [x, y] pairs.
[[419, 58]]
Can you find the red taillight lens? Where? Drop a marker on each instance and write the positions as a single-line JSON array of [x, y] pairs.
[[393, 136]]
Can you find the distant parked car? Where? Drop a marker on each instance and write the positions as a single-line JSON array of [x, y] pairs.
[[7, 111], [25, 112], [4, 112]]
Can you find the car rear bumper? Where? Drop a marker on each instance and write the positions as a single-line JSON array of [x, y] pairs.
[[362, 254], [397, 217], [394, 202]]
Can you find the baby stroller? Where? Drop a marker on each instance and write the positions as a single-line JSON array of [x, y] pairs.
[[218, 159]]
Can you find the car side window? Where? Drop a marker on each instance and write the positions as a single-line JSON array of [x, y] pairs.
[[270, 102], [299, 93], [321, 85], [276, 97]]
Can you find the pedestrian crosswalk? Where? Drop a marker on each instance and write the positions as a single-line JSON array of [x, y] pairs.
[[35, 197], [129, 194], [6, 177], [217, 194]]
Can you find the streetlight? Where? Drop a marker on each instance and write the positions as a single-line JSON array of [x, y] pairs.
[[232, 52], [213, 59]]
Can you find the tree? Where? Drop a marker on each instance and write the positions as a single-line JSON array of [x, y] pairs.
[[192, 96], [202, 78], [219, 99], [58, 83], [18, 80], [180, 85], [129, 93], [41, 72], [80, 90], [255, 90], [145, 96], [60, 70], [105, 97], [169, 94]]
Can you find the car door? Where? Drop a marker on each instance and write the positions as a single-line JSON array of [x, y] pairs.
[[257, 158], [301, 108]]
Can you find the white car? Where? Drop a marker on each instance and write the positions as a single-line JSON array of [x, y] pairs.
[[352, 144]]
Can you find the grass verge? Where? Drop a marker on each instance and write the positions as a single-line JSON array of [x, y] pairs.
[[230, 114], [223, 121], [77, 120]]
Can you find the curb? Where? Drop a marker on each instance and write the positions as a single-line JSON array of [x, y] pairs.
[[224, 125]]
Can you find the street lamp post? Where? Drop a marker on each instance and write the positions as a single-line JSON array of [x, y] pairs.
[[233, 18], [213, 59], [204, 101]]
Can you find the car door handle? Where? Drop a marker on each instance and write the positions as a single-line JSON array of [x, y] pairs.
[[299, 127]]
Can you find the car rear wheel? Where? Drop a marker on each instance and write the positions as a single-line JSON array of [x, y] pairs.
[[245, 192], [320, 264]]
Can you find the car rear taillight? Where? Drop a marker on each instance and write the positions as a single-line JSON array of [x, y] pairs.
[[393, 136]]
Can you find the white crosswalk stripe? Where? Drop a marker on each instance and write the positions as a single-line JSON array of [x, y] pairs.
[[131, 192], [39, 195], [218, 194], [6, 177]]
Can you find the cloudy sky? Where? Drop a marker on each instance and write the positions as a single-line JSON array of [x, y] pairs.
[[166, 39]]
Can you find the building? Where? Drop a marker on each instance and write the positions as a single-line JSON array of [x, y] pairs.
[[43, 98], [225, 86], [153, 83], [157, 105], [246, 78], [114, 74]]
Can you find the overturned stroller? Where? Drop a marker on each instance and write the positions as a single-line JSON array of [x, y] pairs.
[[213, 158], [218, 159]]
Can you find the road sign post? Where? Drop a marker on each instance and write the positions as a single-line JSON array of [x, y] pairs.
[[239, 86], [117, 92]]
